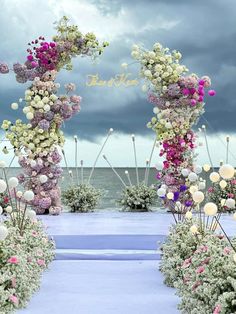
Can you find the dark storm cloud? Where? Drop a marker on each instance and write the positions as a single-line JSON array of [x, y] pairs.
[[204, 31]]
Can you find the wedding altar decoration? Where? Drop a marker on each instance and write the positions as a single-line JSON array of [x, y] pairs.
[[36, 142], [25, 249], [81, 196], [138, 196]]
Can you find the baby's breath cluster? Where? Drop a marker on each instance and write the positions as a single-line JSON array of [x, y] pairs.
[[138, 197], [81, 198]]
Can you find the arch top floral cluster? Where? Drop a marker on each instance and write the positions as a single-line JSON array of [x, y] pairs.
[[36, 141], [179, 102], [46, 56]]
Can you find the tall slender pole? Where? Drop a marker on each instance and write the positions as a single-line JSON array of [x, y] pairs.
[[76, 159], [116, 173], [227, 148], [128, 176], [67, 168], [135, 158], [146, 171], [82, 171], [150, 160], [99, 153], [207, 146]]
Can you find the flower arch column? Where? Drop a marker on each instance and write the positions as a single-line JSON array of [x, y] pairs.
[[178, 101], [36, 141]]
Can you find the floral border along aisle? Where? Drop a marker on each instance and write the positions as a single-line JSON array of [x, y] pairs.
[[25, 250]]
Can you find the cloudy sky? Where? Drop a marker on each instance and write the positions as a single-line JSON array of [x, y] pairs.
[[204, 32]]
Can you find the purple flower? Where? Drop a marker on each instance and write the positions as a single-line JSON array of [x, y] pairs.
[[183, 188], [44, 124], [4, 68], [188, 203], [176, 196], [45, 202], [49, 115]]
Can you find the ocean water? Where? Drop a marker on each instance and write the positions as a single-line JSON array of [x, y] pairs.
[[103, 179]]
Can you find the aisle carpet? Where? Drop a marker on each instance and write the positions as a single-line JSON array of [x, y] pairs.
[[107, 263]]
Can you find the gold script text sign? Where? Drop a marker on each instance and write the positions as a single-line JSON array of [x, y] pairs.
[[119, 80]]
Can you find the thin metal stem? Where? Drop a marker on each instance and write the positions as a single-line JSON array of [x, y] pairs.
[[99, 153], [116, 173], [150, 159], [135, 159]]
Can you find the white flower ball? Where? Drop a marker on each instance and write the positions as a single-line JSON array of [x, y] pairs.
[[194, 229], [198, 169], [148, 73], [14, 106], [3, 186], [223, 184], [234, 257], [3, 232], [1, 210], [168, 125], [210, 209], [19, 194], [170, 196], [135, 54], [13, 182], [206, 167], [31, 214], [198, 197], [192, 177], [28, 195], [29, 115], [33, 163], [226, 171], [164, 186], [193, 189], [43, 178], [8, 209], [230, 202], [202, 185], [2, 164], [46, 108], [161, 192], [156, 110], [188, 215], [214, 177]]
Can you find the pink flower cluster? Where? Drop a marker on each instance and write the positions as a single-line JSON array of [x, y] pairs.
[[42, 54]]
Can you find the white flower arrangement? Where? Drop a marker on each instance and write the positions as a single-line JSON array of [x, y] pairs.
[[179, 245], [138, 197], [22, 261], [209, 278], [81, 198], [25, 250]]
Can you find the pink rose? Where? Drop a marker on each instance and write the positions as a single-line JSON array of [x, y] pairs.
[[226, 250], [200, 269], [217, 309], [41, 262], [14, 299], [13, 260]]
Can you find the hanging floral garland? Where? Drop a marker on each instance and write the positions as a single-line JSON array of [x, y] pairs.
[[36, 142], [178, 103]]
